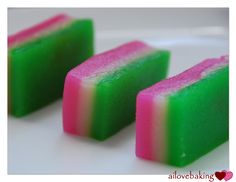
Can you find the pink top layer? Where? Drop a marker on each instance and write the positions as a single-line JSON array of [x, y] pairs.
[[186, 78], [37, 29], [114, 58]]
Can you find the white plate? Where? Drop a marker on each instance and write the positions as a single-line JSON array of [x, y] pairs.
[[37, 145]]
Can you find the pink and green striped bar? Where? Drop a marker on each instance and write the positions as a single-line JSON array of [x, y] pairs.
[[99, 95], [182, 118], [40, 57]]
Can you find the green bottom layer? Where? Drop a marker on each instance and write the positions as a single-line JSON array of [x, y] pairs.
[[115, 95], [198, 118], [37, 69]]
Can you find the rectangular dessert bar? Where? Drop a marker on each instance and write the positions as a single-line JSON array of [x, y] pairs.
[[40, 57], [100, 94], [182, 118]]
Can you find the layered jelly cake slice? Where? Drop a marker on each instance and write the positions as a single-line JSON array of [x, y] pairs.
[[40, 57], [99, 95], [182, 118]]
